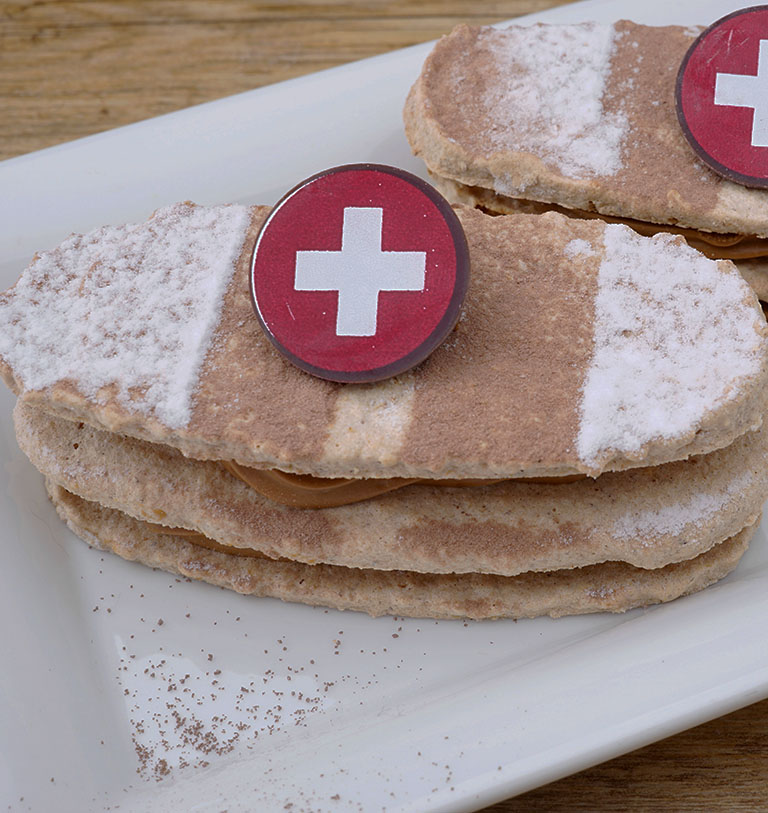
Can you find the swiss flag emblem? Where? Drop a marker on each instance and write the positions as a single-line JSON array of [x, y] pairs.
[[359, 272], [722, 96]]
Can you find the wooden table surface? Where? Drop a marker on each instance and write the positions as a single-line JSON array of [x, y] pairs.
[[69, 69]]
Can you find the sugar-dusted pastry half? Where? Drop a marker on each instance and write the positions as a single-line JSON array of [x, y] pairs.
[[582, 348], [579, 118], [648, 517], [610, 587]]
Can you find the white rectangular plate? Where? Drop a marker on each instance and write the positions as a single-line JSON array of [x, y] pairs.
[[114, 675]]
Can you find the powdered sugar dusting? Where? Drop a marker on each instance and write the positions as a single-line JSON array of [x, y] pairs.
[[671, 520], [578, 248], [674, 338], [132, 306], [547, 97], [601, 592]]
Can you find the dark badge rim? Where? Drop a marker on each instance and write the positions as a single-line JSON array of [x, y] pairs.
[[443, 327], [713, 163]]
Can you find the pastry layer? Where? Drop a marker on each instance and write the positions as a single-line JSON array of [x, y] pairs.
[[736, 247], [578, 115], [570, 329], [648, 517], [610, 587], [753, 268], [755, 272]]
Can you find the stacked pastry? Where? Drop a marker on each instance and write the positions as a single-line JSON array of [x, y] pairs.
[[588, 438], [579, 119]]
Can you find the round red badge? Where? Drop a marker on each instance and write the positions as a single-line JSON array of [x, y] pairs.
[[359, 272], [722, 96]]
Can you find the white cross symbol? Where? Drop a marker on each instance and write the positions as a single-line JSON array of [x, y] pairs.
[[739, 90], [360, 271]]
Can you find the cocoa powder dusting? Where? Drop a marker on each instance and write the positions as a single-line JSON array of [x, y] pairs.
[[661, 176], [248, 390], [527, 296], [184, 716]]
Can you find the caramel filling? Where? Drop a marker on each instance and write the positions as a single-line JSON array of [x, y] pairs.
[[196, 538], [306, 491], [712, 245]]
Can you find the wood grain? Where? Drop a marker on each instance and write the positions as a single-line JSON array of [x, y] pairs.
[[718, 767], [69, 69]]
